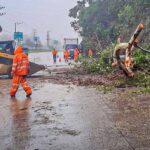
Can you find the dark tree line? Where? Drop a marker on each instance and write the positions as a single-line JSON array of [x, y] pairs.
[[100, 22]]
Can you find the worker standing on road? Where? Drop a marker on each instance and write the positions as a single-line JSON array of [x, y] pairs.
[[20, 70], [54, 53], [76, 55], [66, 55]]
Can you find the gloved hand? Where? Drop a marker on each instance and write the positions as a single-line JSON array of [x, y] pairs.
[[25, 76]]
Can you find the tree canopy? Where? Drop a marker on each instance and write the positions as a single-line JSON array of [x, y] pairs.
[[100, 22]]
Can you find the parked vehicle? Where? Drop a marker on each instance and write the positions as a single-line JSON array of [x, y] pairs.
[[71, 44], [6, 59]]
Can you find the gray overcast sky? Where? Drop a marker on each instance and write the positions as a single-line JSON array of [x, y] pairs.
[[42, 15]]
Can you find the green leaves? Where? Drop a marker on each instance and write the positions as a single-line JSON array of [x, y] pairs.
[[101, 64], [108, 19], [126, 15]]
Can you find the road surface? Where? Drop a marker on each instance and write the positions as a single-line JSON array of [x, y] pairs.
[[70, 117]]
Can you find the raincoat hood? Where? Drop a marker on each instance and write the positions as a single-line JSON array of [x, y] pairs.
[[18, 50]]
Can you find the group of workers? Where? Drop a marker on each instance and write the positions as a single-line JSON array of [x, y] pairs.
[[21, 68], [66, 55]]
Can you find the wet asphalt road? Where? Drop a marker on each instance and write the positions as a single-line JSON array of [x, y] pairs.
[[67, 117], [70, 117]]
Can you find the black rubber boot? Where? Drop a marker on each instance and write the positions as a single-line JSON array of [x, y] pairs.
[[12, 96], [28, 95]]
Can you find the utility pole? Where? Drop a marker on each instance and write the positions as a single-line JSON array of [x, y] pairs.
[[18, 36], [1, 14], [34, 32], [48, 39], [35, 38], [15, 27], [17, 23]]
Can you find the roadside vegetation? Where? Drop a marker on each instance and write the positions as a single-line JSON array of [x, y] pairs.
[[100, 23], [102, 65]]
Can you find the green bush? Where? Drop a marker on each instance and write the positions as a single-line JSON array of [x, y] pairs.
[[141, 59], [100, 64]]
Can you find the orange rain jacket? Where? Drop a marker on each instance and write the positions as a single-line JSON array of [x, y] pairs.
[[20, 69], [54, 52], [76, 54], [66, 54], [90, 53], [20, 63]]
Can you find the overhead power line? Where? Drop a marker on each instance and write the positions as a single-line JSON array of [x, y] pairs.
[[1, 7], [2, 13]]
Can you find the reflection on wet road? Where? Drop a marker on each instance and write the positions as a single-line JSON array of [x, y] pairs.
[[46, 58], [20, 123], [61, 117]]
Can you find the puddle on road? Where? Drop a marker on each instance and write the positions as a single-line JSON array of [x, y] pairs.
[[30, 123], [59, 117], [45, 58]]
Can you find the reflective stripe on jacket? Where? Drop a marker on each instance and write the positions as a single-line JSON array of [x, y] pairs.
[[20, 63]]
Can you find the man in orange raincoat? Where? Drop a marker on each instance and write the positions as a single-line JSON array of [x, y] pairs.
[[76, 55], [66, 55], [54, 53], [90, 53], [20, 70]]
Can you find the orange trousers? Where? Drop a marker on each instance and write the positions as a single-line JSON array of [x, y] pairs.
[[76, 58], [16, 81], [66, 58]]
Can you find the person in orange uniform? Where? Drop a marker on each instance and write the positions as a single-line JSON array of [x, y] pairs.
[[90, 53], [66, 55], [76, 55], [20, 70], [54, 53]]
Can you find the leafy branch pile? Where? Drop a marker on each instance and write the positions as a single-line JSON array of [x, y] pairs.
[[100, 22], [101, 63]]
